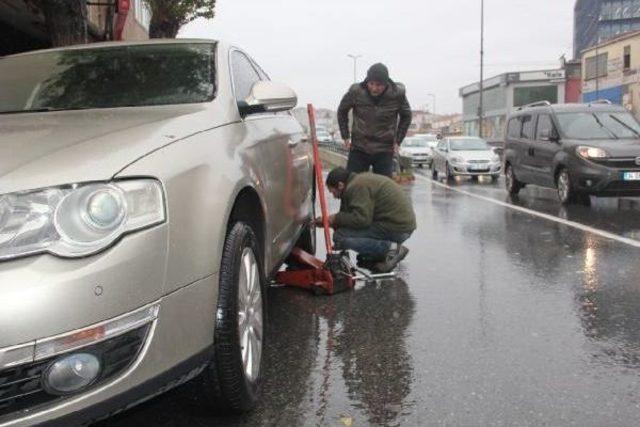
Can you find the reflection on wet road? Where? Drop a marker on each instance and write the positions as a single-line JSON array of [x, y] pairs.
[[615, 215], [497, 318]]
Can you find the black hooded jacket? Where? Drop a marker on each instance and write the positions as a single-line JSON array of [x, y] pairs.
[[378, 122]]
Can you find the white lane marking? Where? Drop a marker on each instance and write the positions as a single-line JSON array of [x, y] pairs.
[[577, 225]]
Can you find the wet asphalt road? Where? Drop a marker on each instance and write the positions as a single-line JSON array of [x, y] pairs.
[[498, 317]]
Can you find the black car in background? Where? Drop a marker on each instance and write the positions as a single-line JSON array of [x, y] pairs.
[[579, 149]]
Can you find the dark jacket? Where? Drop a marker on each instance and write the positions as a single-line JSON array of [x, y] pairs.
[[369, 198], [378, 122]]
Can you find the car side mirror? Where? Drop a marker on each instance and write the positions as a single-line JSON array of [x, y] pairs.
[[268, 97], [550, 135]]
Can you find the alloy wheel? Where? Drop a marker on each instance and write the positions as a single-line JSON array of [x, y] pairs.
[[250, 318], [564, 186]]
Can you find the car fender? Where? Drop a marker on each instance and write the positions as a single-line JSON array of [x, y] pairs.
[[202, 175]]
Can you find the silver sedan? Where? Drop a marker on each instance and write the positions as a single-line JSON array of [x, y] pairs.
[[465, 156], [147, 193]]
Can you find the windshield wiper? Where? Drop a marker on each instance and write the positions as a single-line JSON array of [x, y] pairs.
[[604, 127], [34, 110], [635, 132]]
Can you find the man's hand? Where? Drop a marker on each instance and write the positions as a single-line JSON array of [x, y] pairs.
[[347, 144], [332, 220]]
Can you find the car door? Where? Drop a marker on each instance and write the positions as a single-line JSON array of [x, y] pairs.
[[526, 171], [544, 150], [269, 144]]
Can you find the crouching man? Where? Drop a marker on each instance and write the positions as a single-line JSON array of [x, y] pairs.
[[375, 218]]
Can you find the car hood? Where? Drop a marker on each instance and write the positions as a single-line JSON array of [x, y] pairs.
[[474, 155], [64, 147], [615, 147], [416, 150]]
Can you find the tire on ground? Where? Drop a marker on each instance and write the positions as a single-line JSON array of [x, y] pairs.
[[227, 388]]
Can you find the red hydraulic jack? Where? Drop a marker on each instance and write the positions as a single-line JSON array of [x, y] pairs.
[[337, 273]]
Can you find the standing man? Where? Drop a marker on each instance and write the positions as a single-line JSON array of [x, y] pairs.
[[376, 217], [381, 118]]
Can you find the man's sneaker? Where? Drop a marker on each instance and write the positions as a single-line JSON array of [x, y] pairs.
[[393, 258]]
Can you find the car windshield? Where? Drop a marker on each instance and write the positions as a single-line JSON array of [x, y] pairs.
[[107, 77], [415, 142], [600, 125], [468, 144]]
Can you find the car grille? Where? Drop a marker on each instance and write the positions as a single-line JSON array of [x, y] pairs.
[[623, 185], [21, 387], [619, 163]]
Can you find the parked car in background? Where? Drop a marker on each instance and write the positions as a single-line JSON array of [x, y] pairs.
[[578, 149], [140, 220], [465, 156], [417, 149], [324, 137]]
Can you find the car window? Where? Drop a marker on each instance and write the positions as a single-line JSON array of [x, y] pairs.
[[600, 125], [469, 144], [244, 75], [108, 77], [527, 127], [545, 125], [514, 128]]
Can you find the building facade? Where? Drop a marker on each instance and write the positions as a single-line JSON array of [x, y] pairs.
[[503, 93], [611, 71], [596, 21]]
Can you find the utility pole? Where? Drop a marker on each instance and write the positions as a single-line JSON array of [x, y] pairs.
[[355, 66], [433, 95], [480, 105]]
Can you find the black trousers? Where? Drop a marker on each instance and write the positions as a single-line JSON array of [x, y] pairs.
[[359, 162]]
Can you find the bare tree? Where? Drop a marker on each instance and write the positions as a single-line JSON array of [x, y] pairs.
[[167, 16]]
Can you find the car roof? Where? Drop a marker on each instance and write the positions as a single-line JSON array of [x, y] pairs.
[[568, 108], [116, 44]]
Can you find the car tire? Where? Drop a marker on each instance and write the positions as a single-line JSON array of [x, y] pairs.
[[449, 173], [307, 240], [494, 178], [475, 178], [231, 384], [434, 172], [512, 184], [566, 192]]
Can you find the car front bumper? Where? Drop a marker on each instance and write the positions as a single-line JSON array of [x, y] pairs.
[[45, 298], [602, 181], [465, 169], [421, 160]]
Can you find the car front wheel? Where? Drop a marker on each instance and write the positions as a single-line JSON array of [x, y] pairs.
[[511, 182], [566, 192], [233, 378]]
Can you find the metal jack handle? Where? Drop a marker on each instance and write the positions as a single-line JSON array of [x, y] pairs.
[[317, 163]]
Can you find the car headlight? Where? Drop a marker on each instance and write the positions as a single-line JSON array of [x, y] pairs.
[[457, 160], [77, 220], [592, 152]]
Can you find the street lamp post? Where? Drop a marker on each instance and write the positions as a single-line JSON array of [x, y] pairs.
[[480, 104], [433, 95], [355, 66]]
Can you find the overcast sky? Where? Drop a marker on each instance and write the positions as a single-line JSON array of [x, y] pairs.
[[432, 46]]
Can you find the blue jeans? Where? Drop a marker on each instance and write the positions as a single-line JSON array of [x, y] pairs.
[[371, 243]]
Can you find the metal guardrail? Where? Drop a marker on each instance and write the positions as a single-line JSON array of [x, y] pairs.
[[335, 147]]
